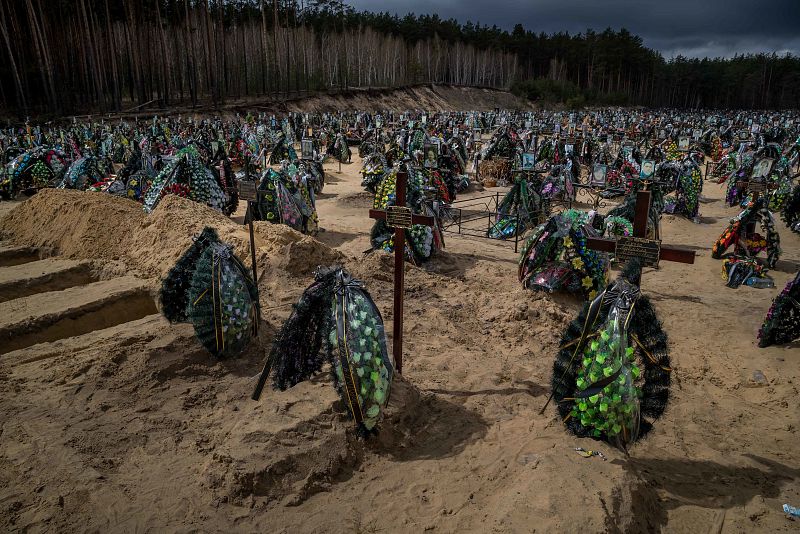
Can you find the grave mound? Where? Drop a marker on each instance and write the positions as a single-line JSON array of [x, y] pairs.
[[86, 225]]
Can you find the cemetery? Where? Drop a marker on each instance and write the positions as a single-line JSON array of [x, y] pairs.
[[418, 308]]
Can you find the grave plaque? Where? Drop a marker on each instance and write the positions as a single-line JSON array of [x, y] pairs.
[[398, 216], [648, 250], [752, 187], [247, 190]]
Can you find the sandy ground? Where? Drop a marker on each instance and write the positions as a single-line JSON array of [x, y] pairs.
[[422, 96], [133, 427]]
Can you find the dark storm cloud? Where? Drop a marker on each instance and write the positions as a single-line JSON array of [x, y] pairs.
[[695, 28]]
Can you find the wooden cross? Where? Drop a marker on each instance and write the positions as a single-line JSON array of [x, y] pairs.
[[399, 217], [248, 191], [649, 250], [638, 246], [755, 188]]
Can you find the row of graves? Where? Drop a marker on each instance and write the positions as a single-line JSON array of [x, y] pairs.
[[612, 374], [531, 152], [611, 377]]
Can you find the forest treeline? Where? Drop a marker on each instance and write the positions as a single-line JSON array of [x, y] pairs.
[[61, 56]]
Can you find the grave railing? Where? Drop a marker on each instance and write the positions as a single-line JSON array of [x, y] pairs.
[[474, 217]]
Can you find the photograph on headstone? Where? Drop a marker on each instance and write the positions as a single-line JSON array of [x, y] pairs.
[[626, 151], [599, 171], [528, 161], [431, 155], [763, 168], [307, 149], [648, 169]]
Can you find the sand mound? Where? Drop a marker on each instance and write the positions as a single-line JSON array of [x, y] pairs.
[[275, 237], [74, 224], [99, 226], [171, 226], [377, 265], [159, 240], [304, 256], [305, 444], [362, 199], [429, 96]]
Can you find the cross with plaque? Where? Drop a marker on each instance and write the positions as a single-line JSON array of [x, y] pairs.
[[248, 191], [650, 251], [756, 187], [400, 218], [758, 184]]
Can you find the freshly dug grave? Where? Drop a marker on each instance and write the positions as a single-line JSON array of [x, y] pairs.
[[87, 225]]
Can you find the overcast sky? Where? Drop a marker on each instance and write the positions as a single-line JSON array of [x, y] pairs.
[[695, 28]]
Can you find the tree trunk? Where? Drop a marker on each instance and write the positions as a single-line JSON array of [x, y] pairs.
[[17, 82]]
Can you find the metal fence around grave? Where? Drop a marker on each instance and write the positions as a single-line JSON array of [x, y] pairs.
[[474, 217], [716, 169], [594, 195]]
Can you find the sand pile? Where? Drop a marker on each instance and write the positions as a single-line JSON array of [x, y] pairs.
[[99, 226], [378, 266], [362, 199], [159, 240], [302, 257], [430, 97], [300, 442], [73, 223]]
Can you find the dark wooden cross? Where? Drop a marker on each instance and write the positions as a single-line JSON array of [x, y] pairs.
[[649, 250], [755, 188], [399, 217], [248, 191], [639, 246]]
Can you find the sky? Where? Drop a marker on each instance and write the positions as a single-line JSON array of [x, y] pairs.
[[693, 28]]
